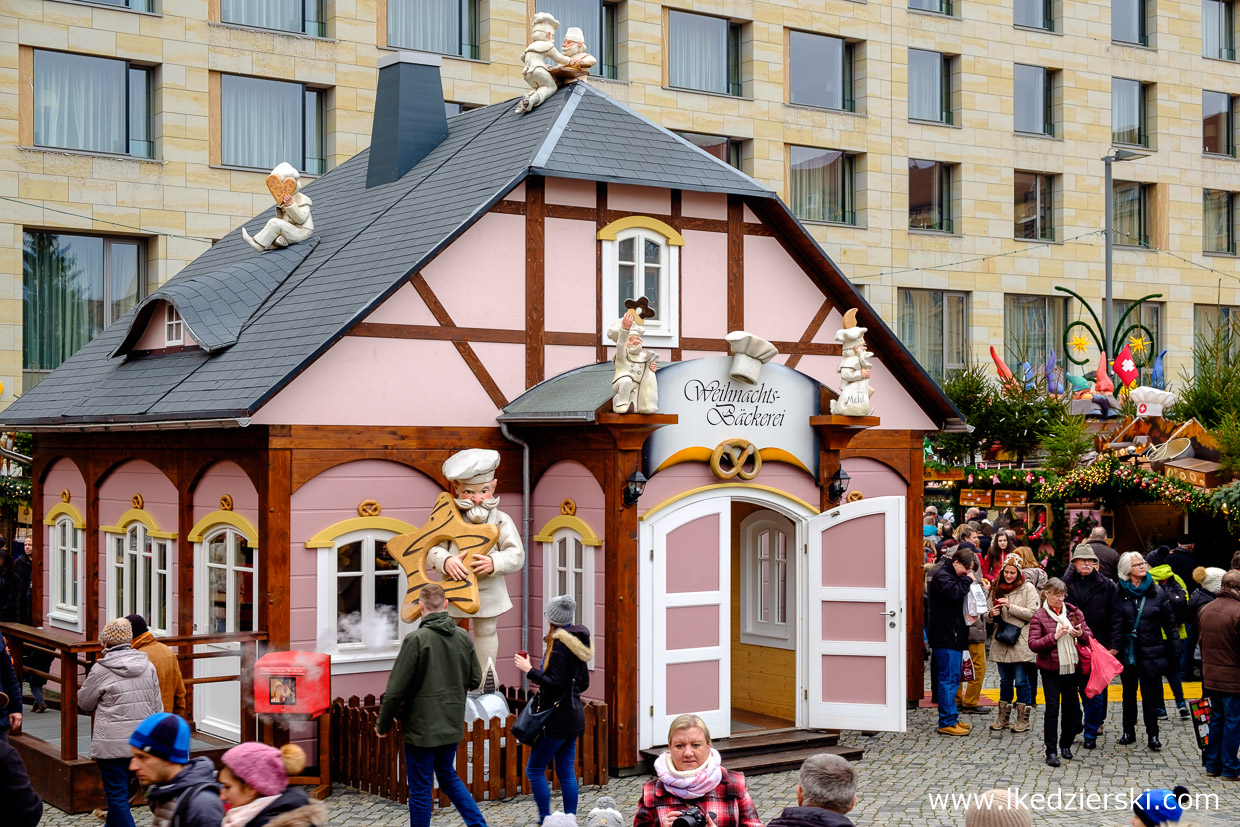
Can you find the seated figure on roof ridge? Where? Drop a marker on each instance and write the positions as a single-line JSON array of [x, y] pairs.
[[292, 222]]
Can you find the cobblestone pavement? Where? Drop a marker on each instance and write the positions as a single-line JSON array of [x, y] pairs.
[[899, 773]]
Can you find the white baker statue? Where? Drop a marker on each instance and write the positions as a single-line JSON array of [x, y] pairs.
[[292, 222], [633, 382], [854, 370], [472, 476], [541, 49], [574, 48]]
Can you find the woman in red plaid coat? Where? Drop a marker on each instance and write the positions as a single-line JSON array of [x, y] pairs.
[[688, 775]]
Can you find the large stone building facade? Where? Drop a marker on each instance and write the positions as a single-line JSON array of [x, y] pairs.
[[947, 157]]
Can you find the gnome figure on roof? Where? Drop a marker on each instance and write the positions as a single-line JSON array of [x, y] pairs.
[[854, 369], [541, 49], [633, 381], [292, 222], [471, 473]]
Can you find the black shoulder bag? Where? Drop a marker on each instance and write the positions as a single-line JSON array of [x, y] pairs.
[[1128, 654], [529, 726]]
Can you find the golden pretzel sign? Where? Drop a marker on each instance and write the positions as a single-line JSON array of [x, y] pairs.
[[445, 525], [731, 455]]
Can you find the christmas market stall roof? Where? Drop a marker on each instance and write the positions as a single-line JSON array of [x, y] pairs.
[[260, 319]]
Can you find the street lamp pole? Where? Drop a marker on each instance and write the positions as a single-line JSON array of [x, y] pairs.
[[1108, 307]]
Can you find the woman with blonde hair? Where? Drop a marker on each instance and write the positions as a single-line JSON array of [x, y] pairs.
[[690, 774]]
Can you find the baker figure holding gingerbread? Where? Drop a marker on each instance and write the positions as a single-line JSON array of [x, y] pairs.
[[292, 222]]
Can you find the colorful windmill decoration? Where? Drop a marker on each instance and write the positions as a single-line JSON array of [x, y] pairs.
[[1134, 339]]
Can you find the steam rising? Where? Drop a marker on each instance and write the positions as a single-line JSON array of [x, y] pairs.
[[379, 633]]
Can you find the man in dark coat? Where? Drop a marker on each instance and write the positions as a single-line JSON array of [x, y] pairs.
[[1149, 645], [1183, 560], [436, 666], [948, 633], [1220, 663], [11, 712], [18, 802], [826, 791], [1096, 596], [1108, 558]]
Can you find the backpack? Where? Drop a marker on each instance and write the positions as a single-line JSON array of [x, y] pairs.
[[178, 815]]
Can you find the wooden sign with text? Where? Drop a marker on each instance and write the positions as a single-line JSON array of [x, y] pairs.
[[1005, 498], [943, 474], [979, 497]]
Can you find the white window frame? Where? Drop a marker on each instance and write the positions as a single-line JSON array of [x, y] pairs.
[[174, 327], [755, 631], [664, 329], [551, 571], [350, 658], [65, 615], [144, 604], [203, 566]]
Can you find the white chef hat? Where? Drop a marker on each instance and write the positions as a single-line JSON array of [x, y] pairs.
[[473, 466], [575, 34], [749, 354], [545, 22]]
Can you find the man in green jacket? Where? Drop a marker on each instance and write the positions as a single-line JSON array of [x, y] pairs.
[[435, 668]]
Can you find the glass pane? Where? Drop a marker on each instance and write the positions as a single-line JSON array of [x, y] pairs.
[[383, 560], [717, 145], [260, 122], [1033, 324], [1026, 204], [268, 14], [1129, 214], [217, 599], [578, 592], [62, 296], [125, 275], [626, 286], [926, 183], [217, 550], [764, 581], [387, 597], [820, 184], [1215, 117], [429, 25], [650, 286], [349, 557], [349, 606], [1216, 206], [159, 603], [79, 102], [1031, 13], [697, 52], [781, 594], [244, 554], [585, 15], [919, 320], [1031, 89], [72, 578], [925, 85], [955, 348], [245, 619], [561, 582], [561, 561], [654, 252], [140, 143], [1127, 20], [1126, 111], [816, 70]]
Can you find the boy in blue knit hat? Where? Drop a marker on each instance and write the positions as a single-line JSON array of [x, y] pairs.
[[182, 791], [1155, 807]]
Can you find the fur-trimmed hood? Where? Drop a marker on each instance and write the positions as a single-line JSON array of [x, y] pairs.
[[577, 640], [313, 814]]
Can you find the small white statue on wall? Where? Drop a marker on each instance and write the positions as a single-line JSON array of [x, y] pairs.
[[633, 382], [854, 370], [541, 49], [292, 222]]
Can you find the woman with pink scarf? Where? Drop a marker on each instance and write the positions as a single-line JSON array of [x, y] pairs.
[[690, 775]]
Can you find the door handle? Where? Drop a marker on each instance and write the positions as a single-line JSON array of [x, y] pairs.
[[892, 613]]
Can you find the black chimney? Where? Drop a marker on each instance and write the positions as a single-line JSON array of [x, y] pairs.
[[410, 119]]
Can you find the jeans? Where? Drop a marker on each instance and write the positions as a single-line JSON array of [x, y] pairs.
[[1095, 709], [115, 775], [1060, 692], [563, 752], [970, 693], [1014, 674], [1224, 741], [948, 680], [1151, 699], [1177, 688], [420, 763], [36, 691]]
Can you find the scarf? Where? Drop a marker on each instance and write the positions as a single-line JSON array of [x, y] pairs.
[[1005, 587], [689, 784], [1126, 585], [1068, 658], [243, 814]]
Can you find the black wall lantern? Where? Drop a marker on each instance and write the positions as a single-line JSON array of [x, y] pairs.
[[839, 485], [634, 487]]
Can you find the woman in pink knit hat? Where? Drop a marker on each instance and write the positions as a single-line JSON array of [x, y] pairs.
[[254, 788]]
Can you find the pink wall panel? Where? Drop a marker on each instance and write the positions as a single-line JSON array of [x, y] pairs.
[[873, 479], [703, 205], [854, 679], [852, 553], [63, 475], [226, 478], [651, 200], [749, 215], [692, 687], [570, 287], [506, 365], [571, 191], [153, 336], [704, 285], [404, 306], [842, 620], [458, 273], [517, 194], [693, 556], [780, 299], [691, 627], [561, 358]]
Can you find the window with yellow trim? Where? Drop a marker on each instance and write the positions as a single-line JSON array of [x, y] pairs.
[[66, 574], [229, 565], [641, 262], [568, 568], [139, 577]]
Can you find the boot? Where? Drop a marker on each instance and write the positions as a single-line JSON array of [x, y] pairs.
[[1001, 716], [1022, 718], [1052, 758]]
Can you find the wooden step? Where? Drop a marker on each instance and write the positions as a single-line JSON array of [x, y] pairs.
[[785, 760]]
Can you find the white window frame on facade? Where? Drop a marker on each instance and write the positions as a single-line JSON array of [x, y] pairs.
[[352, 658], [664, 329], [65, 539], [146, 604], [202, 577], [754, 630], [551, 570], [174, 327]]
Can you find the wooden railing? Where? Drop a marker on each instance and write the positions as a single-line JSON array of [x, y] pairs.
[[489, 759], [76, 657]]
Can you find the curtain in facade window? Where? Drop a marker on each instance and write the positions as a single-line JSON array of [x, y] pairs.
[[927, 184], [1216, 205], [267, 14], [697, 52], [1126, 20], [426, 25], [925, 85], [1030, 83], [819, 184], [1125, 111], [1211, 28], [260, 122], [920, 322], [79, 102], [1129, 215], [816, 70], [1030, 13], [587, 15], [1033, 324], [62, 296]]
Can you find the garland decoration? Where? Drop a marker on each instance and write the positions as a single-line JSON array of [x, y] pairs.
[[1110, 478], [15, 491]]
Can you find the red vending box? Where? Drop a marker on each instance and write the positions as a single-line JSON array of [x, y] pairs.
[[292, 682]]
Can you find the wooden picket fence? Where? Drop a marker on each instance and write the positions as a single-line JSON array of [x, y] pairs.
[[489, 759]]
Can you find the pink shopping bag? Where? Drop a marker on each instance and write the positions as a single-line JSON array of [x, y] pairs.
[[1103, 669]]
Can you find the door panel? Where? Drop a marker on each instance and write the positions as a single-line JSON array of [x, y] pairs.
[[226, 572]]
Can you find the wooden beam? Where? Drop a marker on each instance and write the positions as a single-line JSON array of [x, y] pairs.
[[736, 263], [467, 353], [275, 493], [600, 221], [807, 349], [91, 469], [535, 280], [810, 332], [678, 224], [915, 580], [380, 330]]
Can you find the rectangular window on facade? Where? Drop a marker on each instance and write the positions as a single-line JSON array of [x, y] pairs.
[[722, 147], [1219, 226], [1218, 123], [73, 286], [264, 122], [820, 184], [929, 86], [1131, 205], [1128, 24], [1034, 326], [937, 6], [597, 21], [1129, 112], [932, 324], [820, 71], [301, 16], [132, 5], [1149, 317], [1218, 29], [703, 53], [92, 104], [451, 108], [1215, 328], [449, 27], [929, 196], [1034, 90], [1034, 207], [1034, 14]]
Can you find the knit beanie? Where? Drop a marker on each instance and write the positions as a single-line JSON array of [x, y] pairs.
[[605, 814], [997, 808], [265, 768], [1211, 579], [561, 610], [163, 735], [560, 820], [118, 632], [138, 624], [1156, 807]]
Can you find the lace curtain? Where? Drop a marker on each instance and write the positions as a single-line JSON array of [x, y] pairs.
[[819, 185], [920, 324], [697, 52], [426, 25], [268, 14], [79, 102], [261, 122], [925, 85]]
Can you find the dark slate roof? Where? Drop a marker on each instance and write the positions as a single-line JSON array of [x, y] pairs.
[[573, 396]]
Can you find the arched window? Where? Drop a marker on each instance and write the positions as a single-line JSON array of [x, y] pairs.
[[641, 257], [66, 573], [229, 582], [768, 581], [568, 568], [139, 575]]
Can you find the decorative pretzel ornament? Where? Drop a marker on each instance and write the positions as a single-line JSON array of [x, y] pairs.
[[136, 501], [854, 496], [730, 457], [368, 508], [568, 508], [64, 495], [226, 503]]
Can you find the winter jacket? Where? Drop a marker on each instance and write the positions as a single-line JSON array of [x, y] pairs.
[[18, 802], [565, 672], [1199, 599], [8, 685], [809, 817], [1042, 635], [122, 690], [1177, 595], [171, 681], [1036, 576], [1157, 640], [1022, 603], [1097, 598], [729, 801], [435, 668], [292, 809], [946, 628], [1220, 643], [1182, 562], [13, 594], [202, 809], [1108, 559], [977, 629]]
